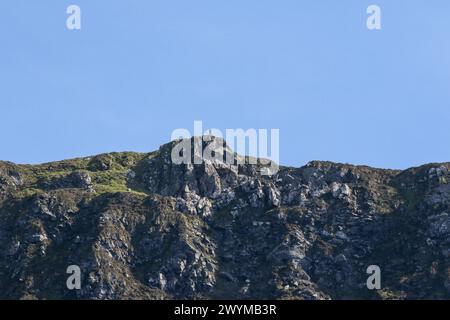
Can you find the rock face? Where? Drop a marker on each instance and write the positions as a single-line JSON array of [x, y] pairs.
[[10, 179], [142, 227]]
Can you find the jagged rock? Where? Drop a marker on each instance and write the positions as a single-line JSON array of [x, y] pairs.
[[77, 179], [10, 179], [340, 191], [273, 195]]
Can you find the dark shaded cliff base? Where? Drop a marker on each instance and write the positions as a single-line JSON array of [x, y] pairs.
[[140, 227]]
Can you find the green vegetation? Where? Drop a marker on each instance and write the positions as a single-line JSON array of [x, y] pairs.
[[108, 173]]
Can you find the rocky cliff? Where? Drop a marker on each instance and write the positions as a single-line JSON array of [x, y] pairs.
[[142, 227]]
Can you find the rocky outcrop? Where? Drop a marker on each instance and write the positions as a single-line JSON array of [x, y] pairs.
[[77, 179], [140, 226], [10, 179]]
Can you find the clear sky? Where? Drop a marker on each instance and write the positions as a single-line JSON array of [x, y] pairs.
[[138, 69]]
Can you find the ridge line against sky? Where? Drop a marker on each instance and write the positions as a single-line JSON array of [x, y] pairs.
[[138, 70]]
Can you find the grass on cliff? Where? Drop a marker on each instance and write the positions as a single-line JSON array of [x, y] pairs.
[[108, 173]]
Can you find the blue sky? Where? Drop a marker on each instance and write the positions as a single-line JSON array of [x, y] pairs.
[[138, 69]]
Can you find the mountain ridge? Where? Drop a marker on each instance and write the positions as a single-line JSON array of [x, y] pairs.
[[141, 227]]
